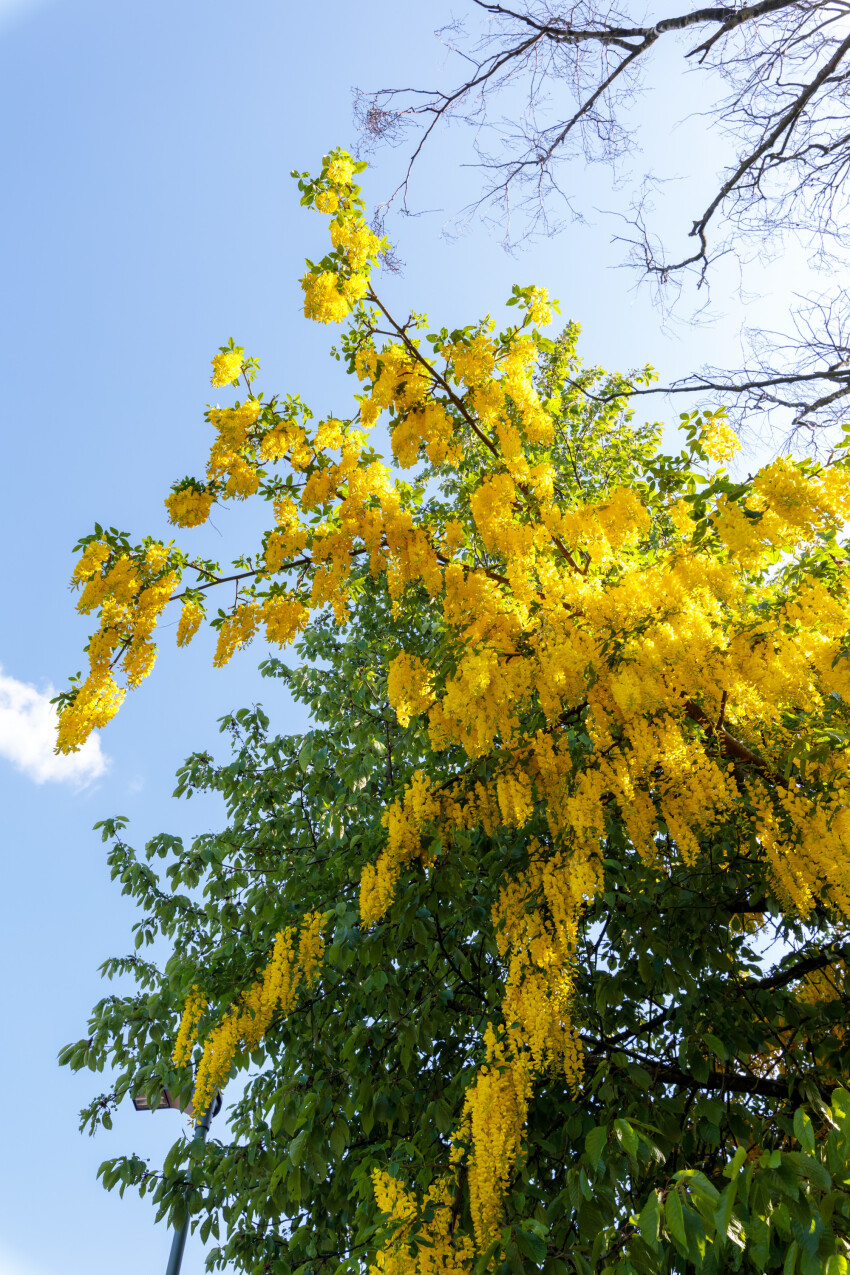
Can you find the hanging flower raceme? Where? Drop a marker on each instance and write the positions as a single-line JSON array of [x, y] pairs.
[[294, 963]]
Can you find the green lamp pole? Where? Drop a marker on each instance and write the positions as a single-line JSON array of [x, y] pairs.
[[178, 1244], [167, 1102]]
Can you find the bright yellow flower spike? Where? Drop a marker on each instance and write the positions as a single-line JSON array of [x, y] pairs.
[[190, 621], [244, 1025]]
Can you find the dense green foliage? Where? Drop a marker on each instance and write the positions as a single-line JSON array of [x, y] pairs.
[[711, 1132]]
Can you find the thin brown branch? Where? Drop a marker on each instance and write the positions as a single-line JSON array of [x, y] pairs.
[[807, 966], [784, 126], [459, 404], [730, 746], [721, 1081]]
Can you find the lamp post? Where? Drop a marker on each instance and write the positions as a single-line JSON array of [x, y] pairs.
[[167, 1102]]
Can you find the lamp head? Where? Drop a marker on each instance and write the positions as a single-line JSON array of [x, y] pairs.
[[167, 1102]]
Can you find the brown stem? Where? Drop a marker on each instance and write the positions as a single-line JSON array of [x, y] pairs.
[[731, 746], [723, 1081]]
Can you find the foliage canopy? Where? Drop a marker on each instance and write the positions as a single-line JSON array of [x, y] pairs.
[[535, 945]]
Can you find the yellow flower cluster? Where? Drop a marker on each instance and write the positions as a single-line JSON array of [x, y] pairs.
[[96, 703], [324, 297], [130, 596], [286, 441], [359, 244], [227, 367], [405, 823], [285, 617], [440, 1249], [231, 465], [409, 687], [287, 539], [236, 631], [191, 615], [90, 563], [195, 1005], [429, 427], [719, 439], [292, 964], [398, 381], [327, 201], [497, 1109], [138, 661], [788, 509], [341, 169], [331, 293], [540, 309], [189, 507]]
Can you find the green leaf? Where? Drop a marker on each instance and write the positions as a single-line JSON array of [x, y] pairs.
[[734, 1167], [339, 1137], [808, 1167], [649, 1219], [595, 1144], [675, 1221], [807, 1234], [723, 1212], [305, 754], [514, 1260], [803, 1131], [627, 1136], [297, 1145], [716, 1046], [483, 1263], [443, 1116], [531, 1246]]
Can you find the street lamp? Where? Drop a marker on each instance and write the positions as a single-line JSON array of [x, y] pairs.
[[168, 1102]]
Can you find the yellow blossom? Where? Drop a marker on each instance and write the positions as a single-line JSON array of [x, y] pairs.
[[409, 687], [227, 367], [92, 559], [189, 507], [191, 1016], [341, 169], [191, 615], [96, 703], [719, 439], [285, 617], [236, 631], [540, 309], [323, 300], [327, 201], [245, 1023]]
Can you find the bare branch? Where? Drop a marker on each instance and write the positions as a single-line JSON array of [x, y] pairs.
[[778, 78], [798, 383]]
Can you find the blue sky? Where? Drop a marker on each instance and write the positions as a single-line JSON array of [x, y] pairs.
[[148, 215]]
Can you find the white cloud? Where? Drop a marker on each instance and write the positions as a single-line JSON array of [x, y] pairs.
[[28, 734]]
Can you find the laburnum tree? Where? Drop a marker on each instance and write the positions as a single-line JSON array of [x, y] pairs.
[[531, 953]]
